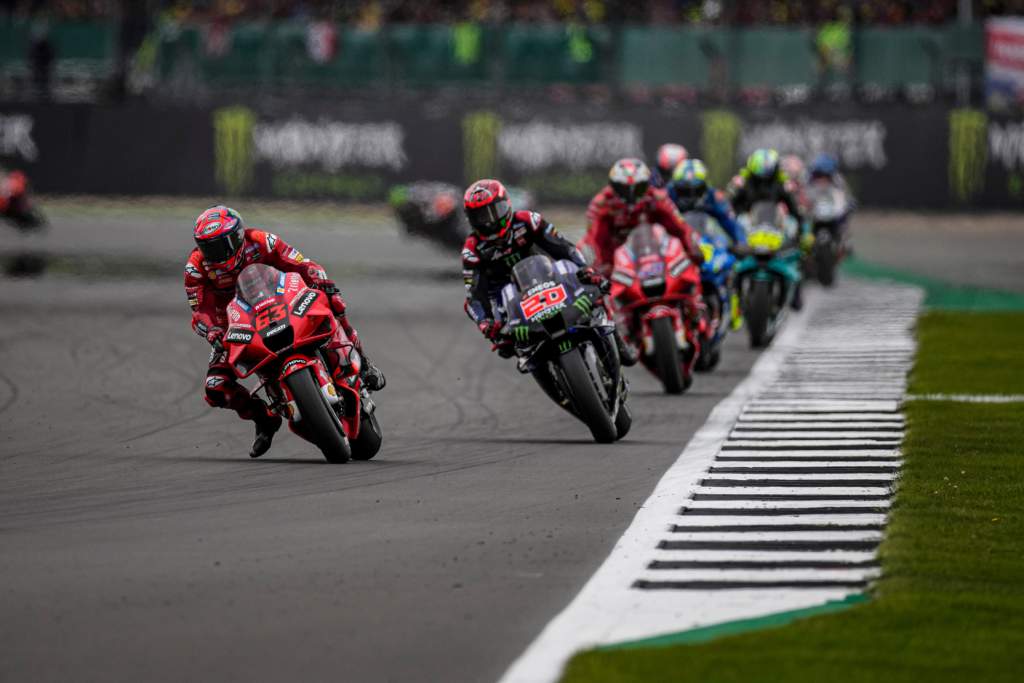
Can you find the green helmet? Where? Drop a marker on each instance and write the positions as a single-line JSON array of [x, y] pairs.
[[763, 164]]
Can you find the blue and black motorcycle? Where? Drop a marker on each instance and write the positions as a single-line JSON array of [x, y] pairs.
[[714, 280], [769, 270]]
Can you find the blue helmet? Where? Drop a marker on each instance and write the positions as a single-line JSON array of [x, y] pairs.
[[824, 165]]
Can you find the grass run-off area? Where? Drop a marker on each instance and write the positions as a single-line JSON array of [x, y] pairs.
[[950, 604]]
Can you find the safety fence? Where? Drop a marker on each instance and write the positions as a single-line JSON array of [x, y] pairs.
[[325, 57], [894, 155]]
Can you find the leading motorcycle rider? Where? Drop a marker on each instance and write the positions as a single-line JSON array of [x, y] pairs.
[[224, 247], [501, 238]]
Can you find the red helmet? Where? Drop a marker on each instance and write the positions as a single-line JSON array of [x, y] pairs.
[[630, 179], [669, 156], [219, 234], [488, 208]]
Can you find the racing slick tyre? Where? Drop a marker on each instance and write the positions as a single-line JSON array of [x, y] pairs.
[[623, 422], [666, 356], [758, 312], [825, 259], [580, 385], [320, 420], [366, 445]]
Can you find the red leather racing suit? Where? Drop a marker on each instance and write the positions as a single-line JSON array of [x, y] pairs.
[[210, 289], [610, 220]]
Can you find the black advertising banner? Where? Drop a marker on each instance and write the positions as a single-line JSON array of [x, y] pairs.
[[895, 156]]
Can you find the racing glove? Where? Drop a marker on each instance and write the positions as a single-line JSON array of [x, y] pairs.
[[215, 336], [588, 276], [491, 329]]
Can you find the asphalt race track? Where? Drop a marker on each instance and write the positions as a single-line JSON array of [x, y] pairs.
[[139, 542]]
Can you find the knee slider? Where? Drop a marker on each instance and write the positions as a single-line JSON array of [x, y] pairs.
[[217, 391]]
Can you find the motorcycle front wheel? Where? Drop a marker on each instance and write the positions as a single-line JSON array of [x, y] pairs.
[[758, 312], [825, 258], [580, 385], [666, 356], [320, 420]]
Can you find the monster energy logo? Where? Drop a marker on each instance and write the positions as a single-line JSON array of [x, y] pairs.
[[584, 304], [233, 153], [480, 144], [512, 259], [565, 346], [719, 141], [522, 332], [968, 152]]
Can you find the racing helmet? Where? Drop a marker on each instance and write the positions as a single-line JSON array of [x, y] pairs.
[[689, 183], [629, 179], [488, 208], [824, 166], [220, 234], [763, 166], [669, 156]]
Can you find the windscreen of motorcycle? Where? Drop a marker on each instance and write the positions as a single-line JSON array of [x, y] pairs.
[[533, 271], [259, 282]]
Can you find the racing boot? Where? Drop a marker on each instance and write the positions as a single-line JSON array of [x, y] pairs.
[[628, 354], [735, 312], [371, 377], [266, 426]]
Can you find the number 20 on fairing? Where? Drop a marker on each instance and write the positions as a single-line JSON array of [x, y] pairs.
[[537, 303]]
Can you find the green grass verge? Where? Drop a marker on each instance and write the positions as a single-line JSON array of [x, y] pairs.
[[950, 606], [969, 353]]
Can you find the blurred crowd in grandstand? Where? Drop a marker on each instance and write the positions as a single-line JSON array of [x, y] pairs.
[[370, 13], [675, 51]]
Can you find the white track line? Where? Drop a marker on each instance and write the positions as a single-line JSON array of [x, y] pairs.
[[786, 518], [780, 504], [968, 398], [858, 574]]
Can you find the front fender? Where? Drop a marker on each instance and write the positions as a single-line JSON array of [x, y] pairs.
[[785, 267]]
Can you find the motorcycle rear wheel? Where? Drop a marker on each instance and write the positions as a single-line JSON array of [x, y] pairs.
[[623, 422], [366, 445], [585, 398], [758, 312], [825, 262], [320, 420], [666, 356]]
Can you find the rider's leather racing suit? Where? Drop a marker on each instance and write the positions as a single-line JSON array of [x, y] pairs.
[[714, 204], [610, 220], [487, 264], [743, 192], [209, 291]]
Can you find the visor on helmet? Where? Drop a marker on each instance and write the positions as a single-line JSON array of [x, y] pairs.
[[630, 193], [488, 220], [221, 248]]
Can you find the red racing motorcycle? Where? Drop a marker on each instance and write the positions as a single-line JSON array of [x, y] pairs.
[[16, 204], [656, 291], [285, 332]]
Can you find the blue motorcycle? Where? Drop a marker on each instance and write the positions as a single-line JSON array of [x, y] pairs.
[[715, 275]]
